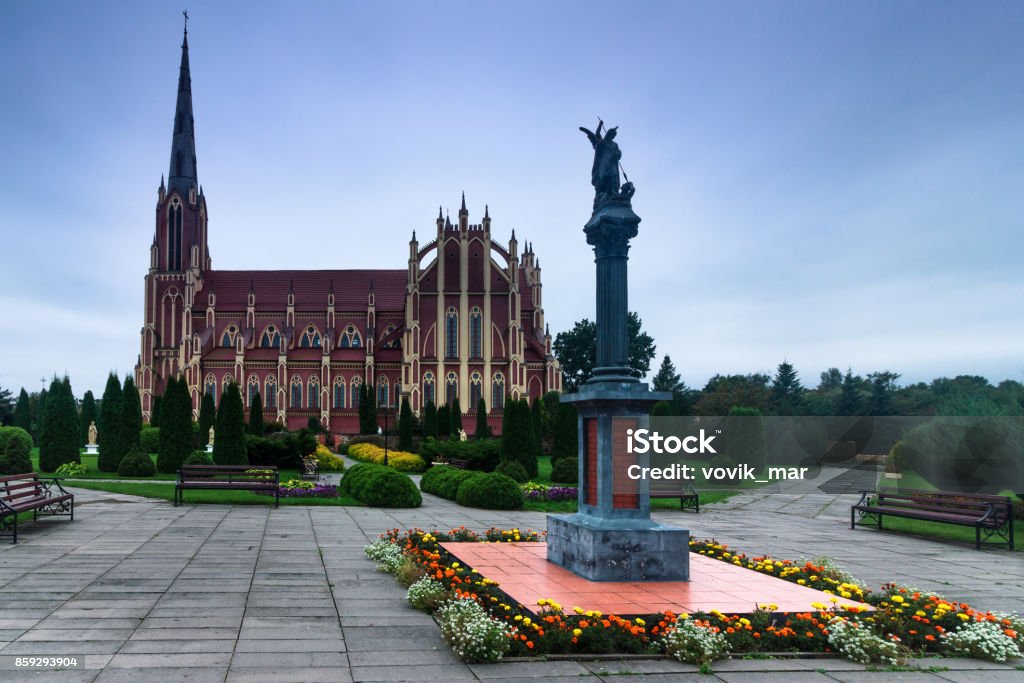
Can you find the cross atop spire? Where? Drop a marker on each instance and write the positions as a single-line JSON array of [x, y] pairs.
[[183, 176]]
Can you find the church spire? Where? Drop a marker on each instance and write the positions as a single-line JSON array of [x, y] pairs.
[[183, 176]]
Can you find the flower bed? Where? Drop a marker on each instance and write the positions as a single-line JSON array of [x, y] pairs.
[[298, 488], [541, 492], [482, 624], [399, 460]]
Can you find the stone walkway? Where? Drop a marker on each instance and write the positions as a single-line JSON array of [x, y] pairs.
[[139, 590]]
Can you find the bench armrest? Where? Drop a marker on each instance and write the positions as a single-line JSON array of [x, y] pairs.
[[865, 498], [55, 481]]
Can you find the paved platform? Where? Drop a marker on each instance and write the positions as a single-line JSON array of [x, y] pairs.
[[139, 590]]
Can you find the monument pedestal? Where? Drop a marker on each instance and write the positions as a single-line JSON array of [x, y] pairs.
[[92, 449], [209, 448]]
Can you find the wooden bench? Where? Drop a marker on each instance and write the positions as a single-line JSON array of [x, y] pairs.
[[687, 495], [991, 516], [23, 492], [458, 463], [256, 478]]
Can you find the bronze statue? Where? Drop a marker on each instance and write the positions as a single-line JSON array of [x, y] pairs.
[[604, 175]]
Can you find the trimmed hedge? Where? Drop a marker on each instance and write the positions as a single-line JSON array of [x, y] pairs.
[[136, 464], [492, 491], [15, 458], [445, 481], [566, 471], [9, 433], [399, 460], [513, 470], [380, 486]]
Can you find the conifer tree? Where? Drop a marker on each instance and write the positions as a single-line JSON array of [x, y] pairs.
[[207, 418], [430, 420], [175, 426], [23, 412], [154, 414], [131, 415], [229, 446], [666, 379], [109, 427], [256, 416], [482, 429], [88, 416], [405, 426], [455, 415], [565, 442], [40, 411], [58, 441], [537, 423], [517, 441], [444, 420], [787, 392]]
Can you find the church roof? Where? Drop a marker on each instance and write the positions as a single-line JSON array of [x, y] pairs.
[[311, 288], [183, 175]]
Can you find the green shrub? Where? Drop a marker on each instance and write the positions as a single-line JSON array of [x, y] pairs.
[[9, 433], [566, 471], [136, 464], [513, 470], [971, 454], [517, 441], [198, 458], [491, 491], [481, 454], [445, 481], [433, 475], [380, 486], [15, 458], [71, 469], [149, 439], [565, 436]]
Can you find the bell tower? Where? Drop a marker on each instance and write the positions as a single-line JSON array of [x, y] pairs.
[[179, 256]]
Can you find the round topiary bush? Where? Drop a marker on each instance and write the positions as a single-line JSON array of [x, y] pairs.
[[565, 471], [352, 481], [149, 439], [431, 478], [7, 434], [15, 458], [388, 488], [448, 487], [493, 491], [136, 464], [514, 470], [198, 458]]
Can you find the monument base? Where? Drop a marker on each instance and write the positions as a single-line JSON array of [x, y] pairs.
[[209, 448], [620, 549], [92, 449]]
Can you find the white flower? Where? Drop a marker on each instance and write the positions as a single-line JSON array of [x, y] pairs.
[[689, 642], [982, 640], [471, 633], [861, 645]]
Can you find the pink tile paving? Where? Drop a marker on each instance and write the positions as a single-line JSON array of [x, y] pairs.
[[525, 575]]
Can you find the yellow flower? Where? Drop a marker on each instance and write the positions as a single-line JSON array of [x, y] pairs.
[[819, 605], [455, 565], [577, 632], [526, 621], [896, 598], [921, 613], [846, 594], [577, 610], [519, 617], [640, 622], [963, 617], [802, 582]]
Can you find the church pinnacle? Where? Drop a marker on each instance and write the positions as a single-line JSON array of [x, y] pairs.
[[182, 176]]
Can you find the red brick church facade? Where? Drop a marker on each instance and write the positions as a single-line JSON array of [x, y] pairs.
[[464, 317]]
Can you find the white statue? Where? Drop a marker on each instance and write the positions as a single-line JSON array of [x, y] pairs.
[[462, 434], [92, 434]]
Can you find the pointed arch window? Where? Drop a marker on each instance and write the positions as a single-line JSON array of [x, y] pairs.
[[356, 383], [339, 393], [476, 337], [395, 343], [228, 340], [429, 396], [271, 338], [295, 400], [382, 392], [451, 388], [451, 333], [498, 392], [271, 393], [174, 235], [475, 390], [254, 389], [350, 339], [211, 387], [314, 393], [310, 338]]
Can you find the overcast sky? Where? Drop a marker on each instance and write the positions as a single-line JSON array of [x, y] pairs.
[[830, 183]]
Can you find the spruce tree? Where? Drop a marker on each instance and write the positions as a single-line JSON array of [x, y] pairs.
[[565, 442], [40, 412], [207, 418], [482, 429], [109, 427], [229, 446], [58, 442], [667, 379], [444, 421], [787, 392], [364, 411], [175, 426], [131, 415], [537, 423], [430, 420], [88, 416], [23, 412], [517, 441], [256, 416], [154, 414], [455, 415], [371, 411], [405, 426], [551, 401]]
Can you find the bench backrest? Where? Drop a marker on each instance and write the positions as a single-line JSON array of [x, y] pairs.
[[949, 502], [229, 473], [15, 487]]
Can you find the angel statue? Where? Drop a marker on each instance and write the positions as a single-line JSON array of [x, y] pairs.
[[604, 175]]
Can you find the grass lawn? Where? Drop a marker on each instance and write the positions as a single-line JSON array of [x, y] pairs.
[[656, 504], [166, 492], [93, 473], [933, 530]]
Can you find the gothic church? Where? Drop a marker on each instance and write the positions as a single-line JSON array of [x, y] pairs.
[[463, 319]]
